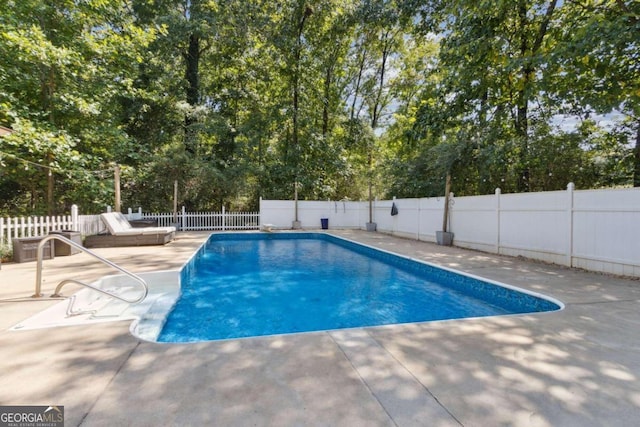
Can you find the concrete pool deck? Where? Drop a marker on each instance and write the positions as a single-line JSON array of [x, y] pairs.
[[575, 367]]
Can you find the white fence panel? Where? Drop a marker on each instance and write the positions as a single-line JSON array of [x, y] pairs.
[[279, 213], [430, 220], [363, 214], [163, 219], [310, 212], [475, 222], [407, 220], [340, 213], [382, 216], [191, 221], [344, 214], [241, 220], [535, 225], [606, 230]]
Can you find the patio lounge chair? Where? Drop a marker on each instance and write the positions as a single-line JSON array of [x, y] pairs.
[[121, 233]]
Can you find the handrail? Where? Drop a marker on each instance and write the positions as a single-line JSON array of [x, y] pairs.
[[56, 294], [40, 252], [70, 311]]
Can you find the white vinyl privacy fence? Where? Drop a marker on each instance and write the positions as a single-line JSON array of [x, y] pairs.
[[597, 230]]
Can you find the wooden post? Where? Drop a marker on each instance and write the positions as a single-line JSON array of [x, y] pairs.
[[50, 187], [224, 221], [116, 179], [175, 201], [370, 201], [295, 199], [447, 190]]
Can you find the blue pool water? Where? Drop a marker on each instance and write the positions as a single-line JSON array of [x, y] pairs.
[[243, 285]]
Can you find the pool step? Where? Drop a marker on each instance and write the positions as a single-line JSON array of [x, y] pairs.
[[164, 289], [114, 307]]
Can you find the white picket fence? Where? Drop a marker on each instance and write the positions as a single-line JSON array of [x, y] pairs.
[[203, 221], [89, 225], [11, 228]]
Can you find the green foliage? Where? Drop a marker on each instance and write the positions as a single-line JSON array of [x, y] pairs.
[[64, 64], [505, 73], [6, 252], [238, 100], [29, 156]]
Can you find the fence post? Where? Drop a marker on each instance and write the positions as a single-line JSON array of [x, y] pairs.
[[74, 218], [223, 219], [182, 218], [570, 188], [419, 218], [498, 192]]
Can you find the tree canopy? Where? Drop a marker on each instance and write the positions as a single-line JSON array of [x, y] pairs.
[[237, 100]]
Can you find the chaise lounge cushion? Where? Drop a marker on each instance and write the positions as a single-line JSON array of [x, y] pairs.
[[119, 226], [123, 234]]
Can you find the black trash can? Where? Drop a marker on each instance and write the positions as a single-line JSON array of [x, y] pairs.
[[325, 223], [63, 249]]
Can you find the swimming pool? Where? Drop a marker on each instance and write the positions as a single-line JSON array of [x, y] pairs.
[[254, 284]]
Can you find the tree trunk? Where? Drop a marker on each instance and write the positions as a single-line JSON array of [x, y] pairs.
[[522, 130], [377, 106], [445, 215], [51, 209], [528, 48], [192, 75], [375, 116], [358, 82], [47, 90], [325, 102], [636, 158], [522, 119], [296, 88], [192, 72], [370, 183]]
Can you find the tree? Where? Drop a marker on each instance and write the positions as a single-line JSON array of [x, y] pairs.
[[375, 56], [597, 64], [64, 63], [502, 80], [238, 100]]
